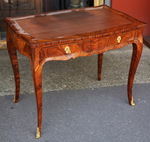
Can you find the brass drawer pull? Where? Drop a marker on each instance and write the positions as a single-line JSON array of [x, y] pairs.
[[119, 39], [67, 49]]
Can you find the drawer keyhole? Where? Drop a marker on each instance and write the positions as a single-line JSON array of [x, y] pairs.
[[67, 49], [119, 39]]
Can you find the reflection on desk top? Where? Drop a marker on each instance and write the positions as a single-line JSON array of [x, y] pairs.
[[73, 23]]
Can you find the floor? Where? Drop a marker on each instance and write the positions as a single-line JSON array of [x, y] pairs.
[[86, 115]]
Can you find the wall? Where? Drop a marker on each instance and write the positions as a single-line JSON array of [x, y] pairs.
[[139, 9]]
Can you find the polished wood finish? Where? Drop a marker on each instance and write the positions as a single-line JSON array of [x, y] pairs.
[[69, 34]]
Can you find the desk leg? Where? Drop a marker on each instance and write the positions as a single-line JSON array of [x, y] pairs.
[[137, 51], [100, 60], [37, 78], [14, 61]]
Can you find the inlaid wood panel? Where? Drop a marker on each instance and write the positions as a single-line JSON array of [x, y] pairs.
[[86, 46]]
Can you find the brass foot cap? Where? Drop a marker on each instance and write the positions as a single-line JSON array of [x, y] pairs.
[[38, 133], [132, 102], [15, 99]]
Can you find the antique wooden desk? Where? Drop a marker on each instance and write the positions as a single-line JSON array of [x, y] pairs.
[[69, 34]]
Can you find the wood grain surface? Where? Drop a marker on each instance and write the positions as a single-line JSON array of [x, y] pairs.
[[63, 35]]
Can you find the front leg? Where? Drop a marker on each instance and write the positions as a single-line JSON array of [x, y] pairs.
[[14, 61], [137, 51], [37, 78]]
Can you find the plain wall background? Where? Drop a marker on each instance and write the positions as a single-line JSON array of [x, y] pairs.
[[139, 9]]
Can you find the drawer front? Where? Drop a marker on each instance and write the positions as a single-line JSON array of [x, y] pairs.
[[120, 38], [88, 46], [61, 50], [67, 49]]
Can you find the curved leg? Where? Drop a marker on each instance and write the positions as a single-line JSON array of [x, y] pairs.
[[37, 78], [100, 60], [137, 51], [14, 61]]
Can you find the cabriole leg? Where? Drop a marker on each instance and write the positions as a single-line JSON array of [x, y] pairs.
[[137, 51], [14, 61], [37, 78]]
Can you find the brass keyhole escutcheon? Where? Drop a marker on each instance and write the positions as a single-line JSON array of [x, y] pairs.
[[119, 39], [67, 49]]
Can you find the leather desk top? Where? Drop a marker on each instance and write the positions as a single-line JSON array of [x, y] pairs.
[[72, 24]]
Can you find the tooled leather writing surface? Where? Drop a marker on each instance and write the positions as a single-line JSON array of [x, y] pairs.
[[72, 22]]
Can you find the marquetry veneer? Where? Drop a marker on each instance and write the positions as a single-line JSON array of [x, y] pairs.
[[63, 35]]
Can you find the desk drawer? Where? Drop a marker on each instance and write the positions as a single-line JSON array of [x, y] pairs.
[[67, 49], [119, 38], [60, 50], [87, 46]]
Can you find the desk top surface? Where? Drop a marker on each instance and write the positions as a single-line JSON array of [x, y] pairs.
[[74, 23]]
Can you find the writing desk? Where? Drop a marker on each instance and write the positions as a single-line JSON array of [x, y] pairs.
[[67, 34]]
